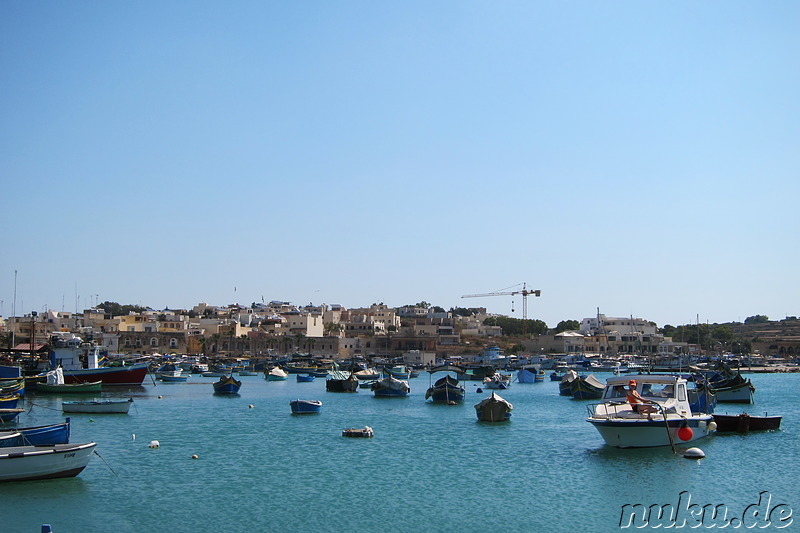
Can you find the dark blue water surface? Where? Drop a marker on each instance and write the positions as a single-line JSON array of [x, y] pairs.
[[429, 467]]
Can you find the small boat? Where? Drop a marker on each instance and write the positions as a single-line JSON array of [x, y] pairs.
[[390, 386], [10, 401], [305, 407], [305, 378], [169, 370], [555, 376], [365, 432], [587, 388], [742, 392], [277, 374], [12, 386], [83, 362], [368, 374], [531, 374], [24, 463], [670, 419], [340, 381], [493, 409], [247, 373], [320, 373], [447, 389], [397, 372], [743, 423], [173, 379], [93, 387], [227, 385], [43, 435], [97, 406], [497, 381], [565, 387]]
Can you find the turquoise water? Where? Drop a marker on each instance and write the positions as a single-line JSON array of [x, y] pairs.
[[429, 467]]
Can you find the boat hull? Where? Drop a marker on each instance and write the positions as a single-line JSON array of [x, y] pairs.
[[100, 406], [45, 435], [744, 423], [25, 463], [74, 388], [227, 386], [646, 433], [305, 407], [112, 375], [741, 393]]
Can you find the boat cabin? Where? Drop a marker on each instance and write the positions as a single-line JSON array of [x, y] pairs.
[[667, 390]]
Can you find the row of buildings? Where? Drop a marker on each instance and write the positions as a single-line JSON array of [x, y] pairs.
[[329, 331]]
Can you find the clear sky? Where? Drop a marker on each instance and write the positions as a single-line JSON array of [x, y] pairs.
[[637, 157]]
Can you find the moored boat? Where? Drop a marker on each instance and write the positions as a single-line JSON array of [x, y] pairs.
[[390, 386], [497, 381], [67, 351], [304, 378], [305, 407], [97, 406], [565, 386], [667, 421], [397, 372], [277, 374], [744, 422], [23, 463], [340, 381], [43, 435], [447, 389], [227, 385], [493, 409], [587, 388], [365, 432]]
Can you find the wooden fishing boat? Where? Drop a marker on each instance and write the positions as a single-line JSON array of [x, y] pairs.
[[8, 414], [397, 372], [97, 406], [305, 407], [43, 435], [497, 381], [744, 423], [493, 409], [340, 381], [587, 388], [93, 387], [390, 387], [22, 463], [447, 389], [69, 352], [227, 385], [304, 378], [173, 379]]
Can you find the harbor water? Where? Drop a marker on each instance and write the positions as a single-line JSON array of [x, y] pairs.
[[429, 467]]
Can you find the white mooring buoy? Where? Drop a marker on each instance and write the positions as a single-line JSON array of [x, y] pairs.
[[154, 444], [694, 453]]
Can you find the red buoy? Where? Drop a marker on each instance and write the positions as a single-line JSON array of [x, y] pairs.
[[685, 433]]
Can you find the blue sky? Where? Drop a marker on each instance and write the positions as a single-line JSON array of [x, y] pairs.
[[637, 157]]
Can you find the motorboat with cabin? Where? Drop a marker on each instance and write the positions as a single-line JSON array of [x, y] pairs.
[[669, 419]]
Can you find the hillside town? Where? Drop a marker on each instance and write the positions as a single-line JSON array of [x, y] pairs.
[[419, 335]]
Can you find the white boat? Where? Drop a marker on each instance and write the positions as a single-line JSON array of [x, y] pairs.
[[671, 421], [97, 406], [22, 463], [497, 381]]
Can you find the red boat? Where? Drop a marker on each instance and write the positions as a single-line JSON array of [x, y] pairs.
[[109, 375], [81, 362]]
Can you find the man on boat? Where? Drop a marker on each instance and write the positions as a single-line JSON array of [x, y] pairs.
[[638, 403]]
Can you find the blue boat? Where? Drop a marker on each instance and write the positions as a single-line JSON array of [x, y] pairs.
[[305, 407], [307, 378], [446, 389], [8, 407], [227, 385], [173, 379], [42, 435], [493, 409]]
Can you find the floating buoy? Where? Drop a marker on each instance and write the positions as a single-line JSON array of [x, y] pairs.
[[133, 437], [160, 397], [154, 444], [479, 391], [250, 406], [685, 433], [712, 426], [694, 453], [91, 420], [194, 456]]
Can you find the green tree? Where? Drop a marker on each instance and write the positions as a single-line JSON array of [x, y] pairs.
[[756, 319], [567, 325]]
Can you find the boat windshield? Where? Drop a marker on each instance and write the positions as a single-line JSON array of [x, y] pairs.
[[648, 390]]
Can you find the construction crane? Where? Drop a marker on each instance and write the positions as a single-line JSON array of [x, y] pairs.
[[524, 292]]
